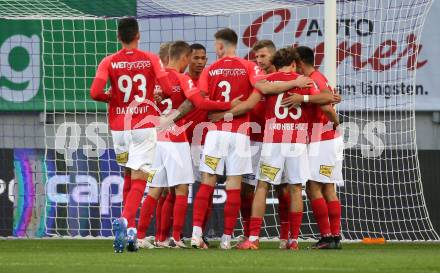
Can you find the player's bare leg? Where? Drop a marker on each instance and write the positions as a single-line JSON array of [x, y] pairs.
[[320, 211], [201, 202], [334, 212], [295, 214], [247, 197], [258, 210], [283, 213], [179, 213]]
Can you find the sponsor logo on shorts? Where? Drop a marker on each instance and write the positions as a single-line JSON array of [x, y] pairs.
[[212, 162], [326, 170], [150, 176], [269, 171], [122, 158]]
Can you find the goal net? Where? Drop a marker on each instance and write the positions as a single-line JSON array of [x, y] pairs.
[[66, 180]]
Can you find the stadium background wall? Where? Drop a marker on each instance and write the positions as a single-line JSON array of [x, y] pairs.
[[22, 204]]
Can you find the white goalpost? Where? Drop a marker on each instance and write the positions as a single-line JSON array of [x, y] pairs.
[[67, 182]]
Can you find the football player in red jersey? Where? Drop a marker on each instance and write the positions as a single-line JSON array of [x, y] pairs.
[[145, 243], [325, 157], [172, 164], [196, 116], [197, 130], [263, 51], [132, 118], [227, 145], [284, 147]]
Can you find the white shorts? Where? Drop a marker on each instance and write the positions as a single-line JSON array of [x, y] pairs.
[[251, 179], [226, 149], [196, 155], [284, 161], [325, 159], [135, 149], [172, 165]]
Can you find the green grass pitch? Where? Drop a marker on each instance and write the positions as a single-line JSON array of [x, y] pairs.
[[95, 256]]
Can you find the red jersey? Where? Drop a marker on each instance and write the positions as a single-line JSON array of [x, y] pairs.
[[258, 117], [227, 79], [324, 132], [284, 125], [132, 75], [183, 88], [195, 116]]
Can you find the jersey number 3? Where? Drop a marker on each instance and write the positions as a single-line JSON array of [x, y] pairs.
[[125, 84], [227, 91]]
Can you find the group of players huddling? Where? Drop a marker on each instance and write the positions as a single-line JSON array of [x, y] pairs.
[[266, 123]]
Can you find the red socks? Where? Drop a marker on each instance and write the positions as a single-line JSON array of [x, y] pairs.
[[179, 214], [245, 210], [126, 189], [334, 215], [295, 224], [201, 203], [232, 209], [167, 214], [320, 211], [283, 212], [208, 212], [146, 213], [134, 198], [159, 216], [255, 226]]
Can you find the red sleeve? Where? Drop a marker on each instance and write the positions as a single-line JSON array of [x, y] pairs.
[[203, 81], [321, 83], [160, 73], [314, 90], [208, 105], [187, 85], [255, 73], [165, 85], [97, 89], [194, 96]]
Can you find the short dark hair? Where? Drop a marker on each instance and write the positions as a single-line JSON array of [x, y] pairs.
[[228, 35], [197, 46], [306, 55], [262, 44], [284, 57], [128, 28], [178, 48]]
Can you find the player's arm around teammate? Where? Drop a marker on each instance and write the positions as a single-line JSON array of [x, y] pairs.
[[326, 157], [227, 145], [284, 154]]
